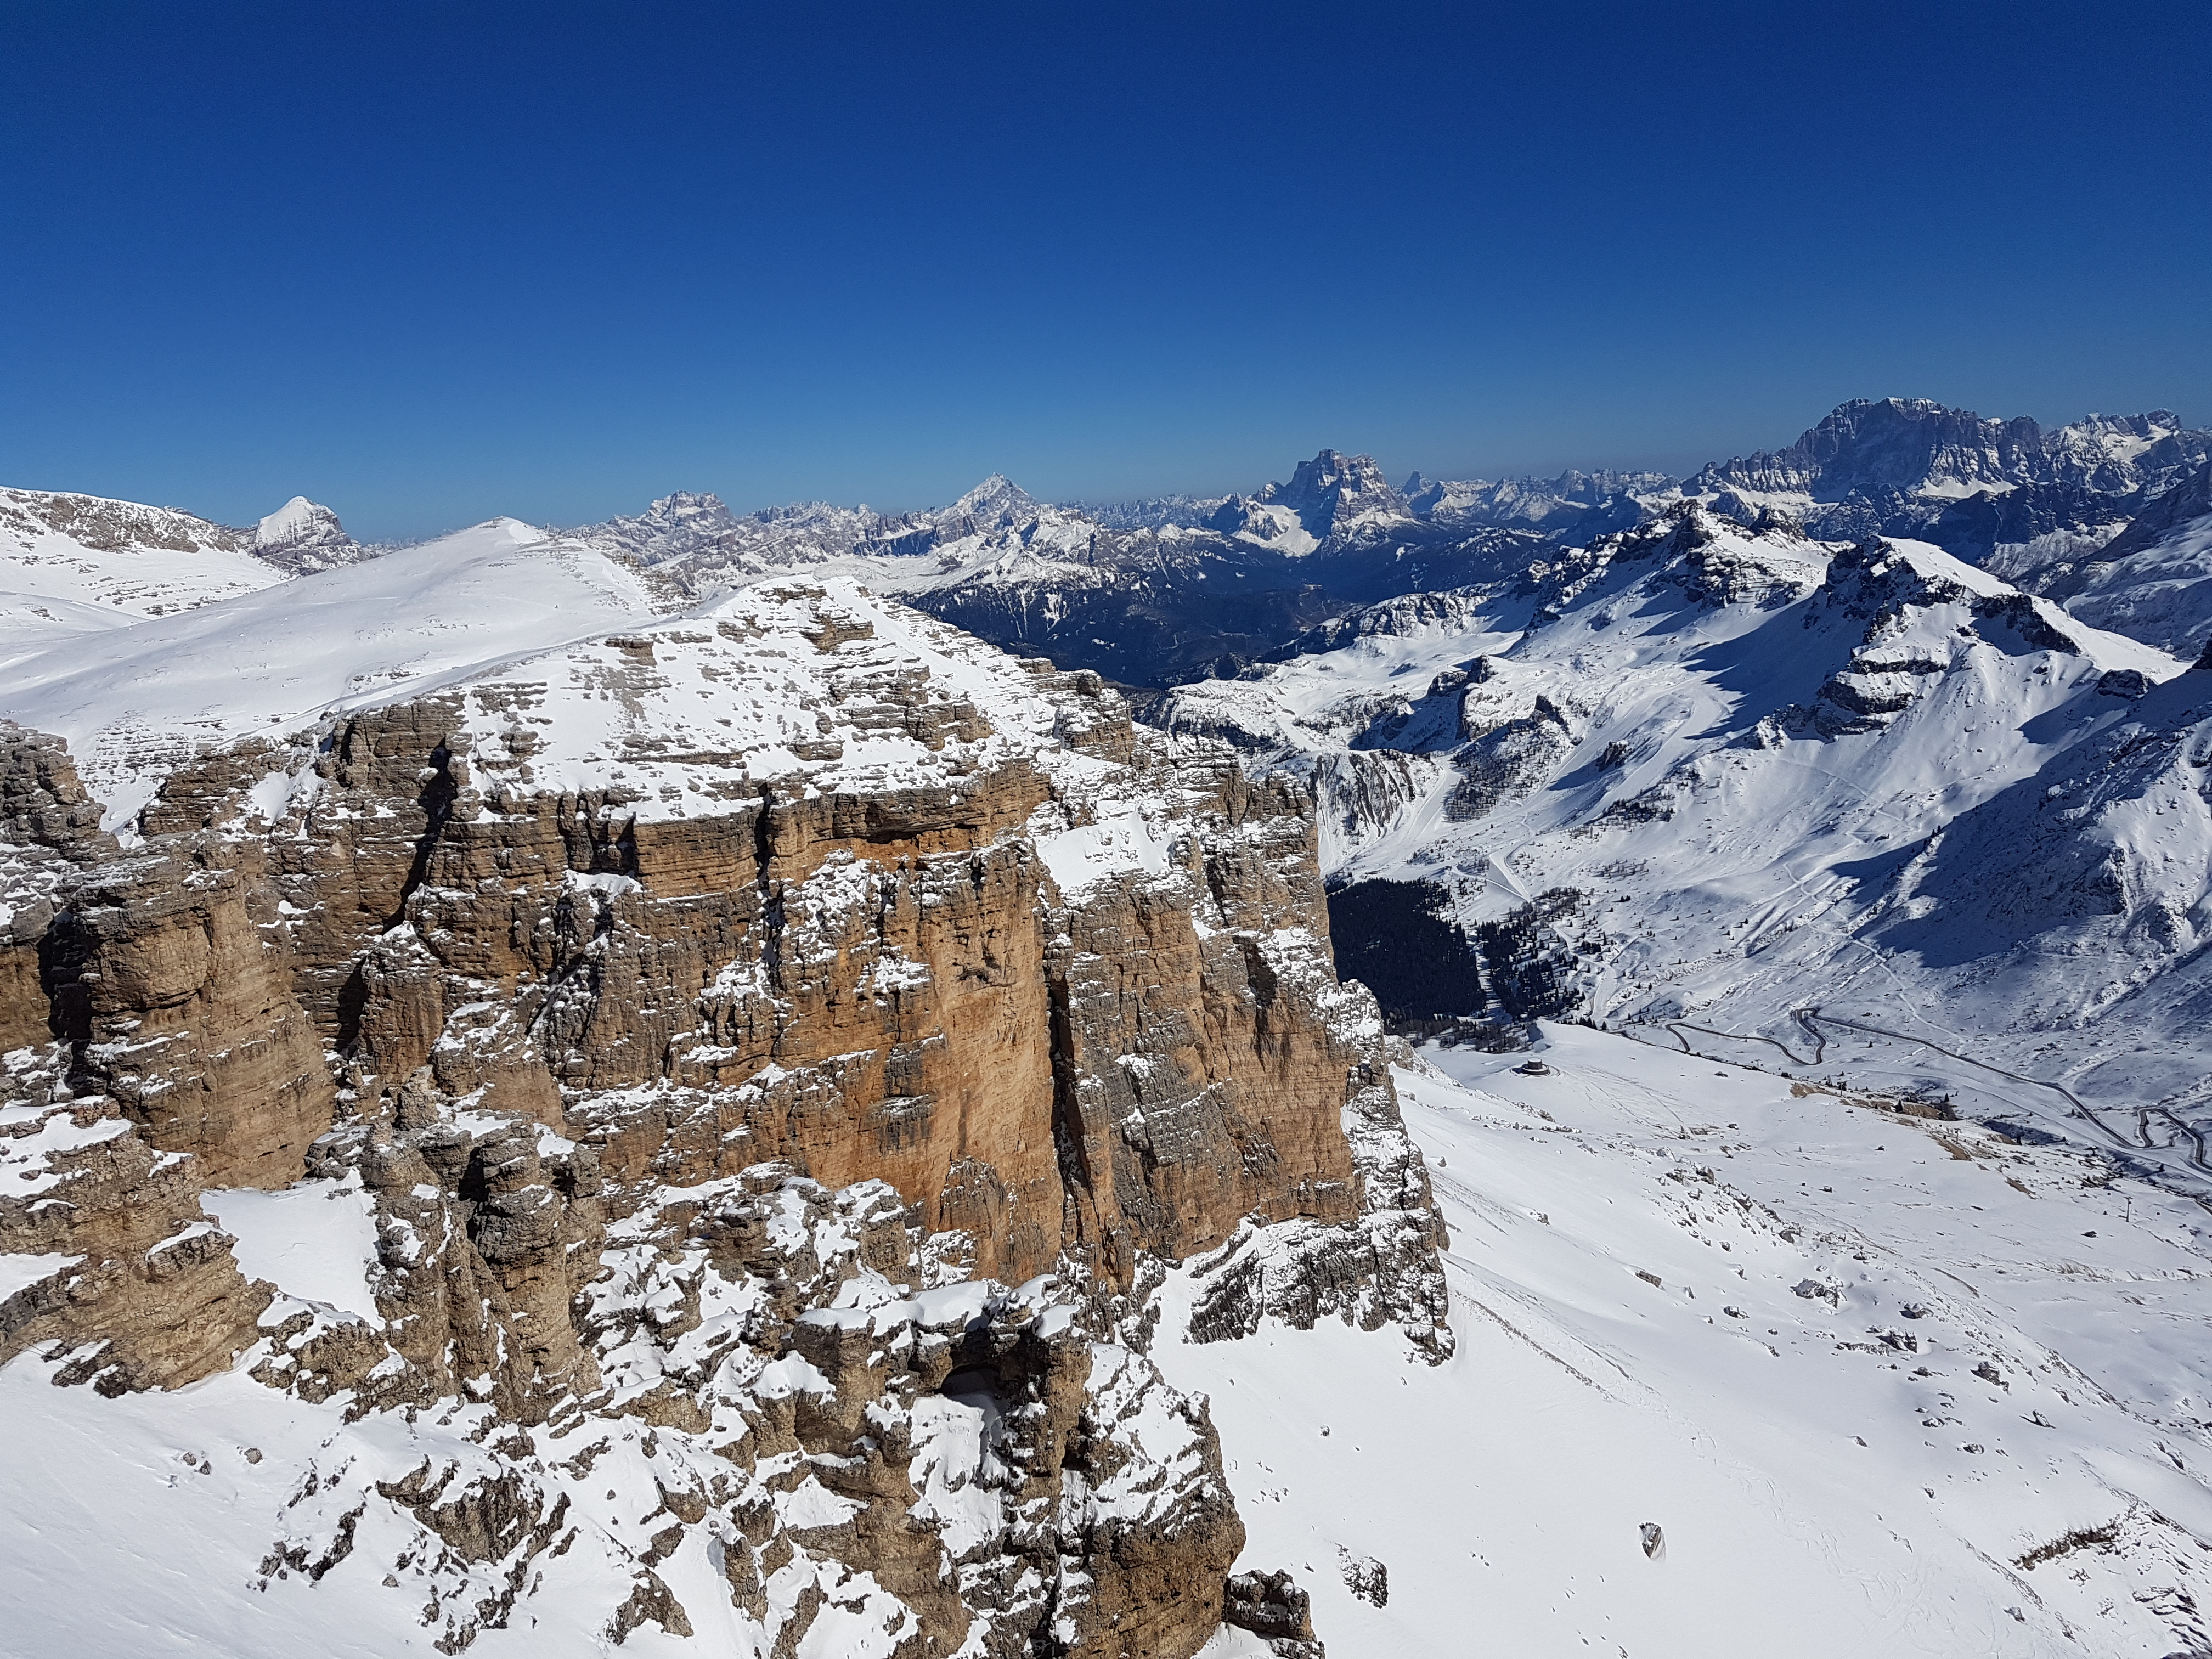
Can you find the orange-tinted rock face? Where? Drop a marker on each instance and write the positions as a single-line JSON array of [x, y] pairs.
[[561, 1005], [888, 984], [891, 989]]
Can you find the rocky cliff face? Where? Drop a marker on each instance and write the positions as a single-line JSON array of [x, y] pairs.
[[773, 1050], [1983, 489]]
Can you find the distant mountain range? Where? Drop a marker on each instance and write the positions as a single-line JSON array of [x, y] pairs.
[[1152, 593], [2097, 514], [1909, 467]]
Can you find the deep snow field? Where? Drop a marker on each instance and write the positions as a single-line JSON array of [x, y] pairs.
[[1994, 1348]]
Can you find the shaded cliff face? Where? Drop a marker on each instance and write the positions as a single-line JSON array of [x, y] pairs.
[[712, 1022]]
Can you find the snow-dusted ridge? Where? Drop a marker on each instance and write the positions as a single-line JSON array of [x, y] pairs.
[[1768, 773], [266, 663]]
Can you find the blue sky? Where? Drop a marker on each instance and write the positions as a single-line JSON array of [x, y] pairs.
[[432, 264]]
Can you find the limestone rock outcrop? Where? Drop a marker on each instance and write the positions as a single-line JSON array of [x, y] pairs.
[[783, 1038]]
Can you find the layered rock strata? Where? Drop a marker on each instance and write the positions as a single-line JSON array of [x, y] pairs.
[[717, 1022]]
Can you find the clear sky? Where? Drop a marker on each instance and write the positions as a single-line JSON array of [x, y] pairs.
[[432, 264]]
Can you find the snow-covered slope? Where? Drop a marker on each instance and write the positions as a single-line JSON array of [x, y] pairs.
[[1885, 1385], [1827, 830], [2154, 581], [266, 663], [78, 564], [1702, 774]]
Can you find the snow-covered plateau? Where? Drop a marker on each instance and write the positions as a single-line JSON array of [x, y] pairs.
[[1596, 1065]]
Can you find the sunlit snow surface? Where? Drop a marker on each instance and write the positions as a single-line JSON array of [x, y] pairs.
[[2013, 863], [62, 579], [317, 1240], [133, 702], [1825, 1486]]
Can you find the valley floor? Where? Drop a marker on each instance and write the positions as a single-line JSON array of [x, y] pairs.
[[1885, 1362]]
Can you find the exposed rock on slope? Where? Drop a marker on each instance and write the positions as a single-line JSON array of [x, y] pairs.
[[71, 565], [714, 1020], [1159, 593], [2154, 581], [1978, 489]]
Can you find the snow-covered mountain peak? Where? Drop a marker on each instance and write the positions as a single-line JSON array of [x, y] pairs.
[[1889, 445], [1986, 489], [691, 511], [303, 536], [2152, 580], [677, 525], [1334, 495], [1575, 502], [2123, 437], [996, 503], [299, 519]]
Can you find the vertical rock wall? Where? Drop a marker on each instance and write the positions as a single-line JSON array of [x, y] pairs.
[[1052, 1010]]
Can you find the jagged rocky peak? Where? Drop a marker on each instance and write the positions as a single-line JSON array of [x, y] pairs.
[[677, 525], [1148, 512], [1569, 503], [1334, 493], [1910, 466], [1892, 444], [2152, 580], [2177, 511], [2009, 494], [688, 512], [996, 503], [2124, 437], [1328, 499]]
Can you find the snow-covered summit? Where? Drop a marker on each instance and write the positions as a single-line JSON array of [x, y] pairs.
[[1908, 466], [1328, 501], [1718, 768], [997, 503], [303, 536], [2152, 580], [1582, 503], [1336, 495]]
